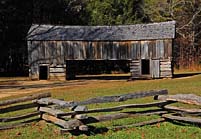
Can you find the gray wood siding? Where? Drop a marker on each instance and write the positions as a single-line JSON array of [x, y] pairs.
[[165, 68], [155, 68], [56, 52], [135, 68], [145, 50]]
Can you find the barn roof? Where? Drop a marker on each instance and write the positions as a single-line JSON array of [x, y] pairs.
[[163, 30]]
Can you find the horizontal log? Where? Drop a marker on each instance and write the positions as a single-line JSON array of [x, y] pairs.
[[24, 99], [20, 117], [73, 124], [56, 74], [104, 99], [116, 108], [165, 66], [165, 63], [18, 107], [184, 98], [57, 70], [51, 111], [166, 69], [183, 110], [134, 70], [166, 73], [135, 64], [16, 125], [61, 103], [58, 66], [150, 122], [191, 120], [119, 98]]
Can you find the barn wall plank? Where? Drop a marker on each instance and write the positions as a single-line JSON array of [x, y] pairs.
[[56, 53], [135, 68], [144, 50], [165, 68], [159, 49], [168, 48], [155, 68]]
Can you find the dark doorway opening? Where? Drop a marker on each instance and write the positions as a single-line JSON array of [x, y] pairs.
[[145, 69], [96, 68], [43, 72]]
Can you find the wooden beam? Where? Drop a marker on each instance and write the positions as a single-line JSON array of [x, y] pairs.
[[24, 99], [183, 110], [117, 108], [18, 107], [21, 124], [104, 99], [61, 103], [124, 97], [73, 124], [190, 120], [150, 122], [183, 98], [59, 113], [51, 111], [15, 118]]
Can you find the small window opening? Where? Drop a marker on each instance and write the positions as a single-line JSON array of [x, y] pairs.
[[145, 67], [43, 72]]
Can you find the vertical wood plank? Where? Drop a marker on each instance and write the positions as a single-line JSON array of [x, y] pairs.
[[144, 50], [159, 49], [168, 48], [155, 68], [138, 50], [104, 50]]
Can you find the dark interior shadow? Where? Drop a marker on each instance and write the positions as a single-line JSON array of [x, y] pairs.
[[102, 77], [182, 75], [21, 87]]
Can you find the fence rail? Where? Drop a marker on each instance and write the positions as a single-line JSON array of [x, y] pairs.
[[78, 117]]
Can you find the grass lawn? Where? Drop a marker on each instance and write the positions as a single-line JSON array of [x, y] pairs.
[[94, 88]]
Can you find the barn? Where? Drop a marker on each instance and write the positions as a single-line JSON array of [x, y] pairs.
[[52, 49]]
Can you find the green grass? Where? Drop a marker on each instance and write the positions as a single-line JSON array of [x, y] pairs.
[[96, 88]]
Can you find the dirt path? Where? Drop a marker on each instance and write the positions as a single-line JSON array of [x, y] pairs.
[[18, 87], [22, 85]]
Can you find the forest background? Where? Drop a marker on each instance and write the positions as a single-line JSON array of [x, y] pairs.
[[16, 17]]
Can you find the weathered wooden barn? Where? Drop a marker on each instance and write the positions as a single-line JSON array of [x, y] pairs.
[[51, 49]]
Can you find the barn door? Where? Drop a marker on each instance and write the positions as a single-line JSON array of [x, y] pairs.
[[155, 68]]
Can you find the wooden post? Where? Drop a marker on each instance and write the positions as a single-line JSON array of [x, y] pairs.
[[24, 99]]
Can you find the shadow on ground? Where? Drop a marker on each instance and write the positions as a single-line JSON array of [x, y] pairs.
[[50, 85], [102, 77], [183, 75]]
